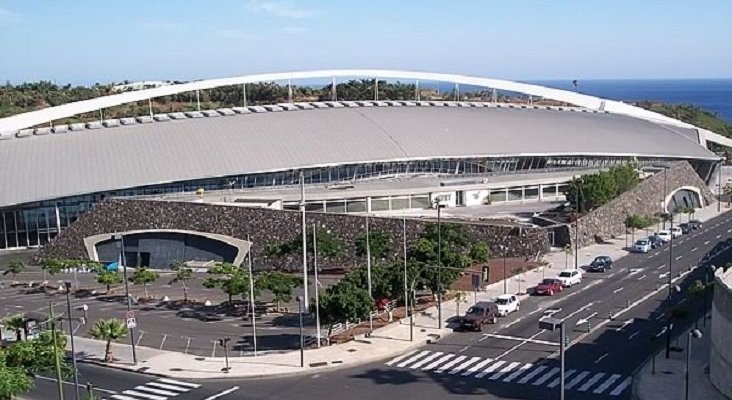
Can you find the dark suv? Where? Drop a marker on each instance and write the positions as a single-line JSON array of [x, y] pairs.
[[600, 264], [483, 312], [695, 224]]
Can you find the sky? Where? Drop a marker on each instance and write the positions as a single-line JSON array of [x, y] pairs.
[[87, 41]]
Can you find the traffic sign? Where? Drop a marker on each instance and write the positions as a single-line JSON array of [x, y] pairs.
[[130, 314], [131, 323]]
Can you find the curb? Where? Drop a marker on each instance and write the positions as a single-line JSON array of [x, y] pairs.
[[120, 368]]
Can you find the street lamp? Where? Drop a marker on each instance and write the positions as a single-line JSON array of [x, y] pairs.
[[669, 325], [123, 261], [300, 301], [439, 263], [67, 285], [697, 334], [552, 324], [503, 252]]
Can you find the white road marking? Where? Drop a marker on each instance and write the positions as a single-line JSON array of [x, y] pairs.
[[413, 358], [641, 277], [401, 357], [706, 243], [224, 393], [463, 349], [577, 379], [694, 249], [632, 335], [427, 359], [662, 266], [661, 276], [180, 383], [591, 382], [534, 312], [521, 339], [156, 391], [438, 362], [679, 258], [651, 256], [546, 376], [618, 290], [518, 372], [556, 380], [601, 357], [121, 397], [171, 387], [451, 364], [464, 365], [623, 385], [475, 368], [530, 375], [624, 324], [504, 371], [718, 236], [609, 381], [143, 395], [523, 342], [510, 324], [490, 369], [684, 300]]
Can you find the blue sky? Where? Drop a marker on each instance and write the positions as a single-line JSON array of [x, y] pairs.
[[86, 41]]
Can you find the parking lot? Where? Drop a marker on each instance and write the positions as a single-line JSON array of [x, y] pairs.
[[192, 328]]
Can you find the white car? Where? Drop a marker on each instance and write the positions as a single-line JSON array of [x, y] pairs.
[[664, 235], [676, 232], [642, 246], [570, 277], [507, 303]]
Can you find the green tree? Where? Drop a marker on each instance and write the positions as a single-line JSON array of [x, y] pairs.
[[51, 266], [696, 291], [635, 221], [380, 243], [16, 323], [454, 254], [183, 274], [230, 278], [343, 302], [144, 277], [110, 330], [383, 283], [109, 278], [14, 381], [567, 252], [280, 284], [14, 268], [480, 252]]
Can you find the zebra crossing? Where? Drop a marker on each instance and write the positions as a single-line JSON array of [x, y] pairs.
[[161, 389], [538, 375]]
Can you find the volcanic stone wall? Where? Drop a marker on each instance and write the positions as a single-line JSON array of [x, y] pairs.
[[265, 227], [608, 221]]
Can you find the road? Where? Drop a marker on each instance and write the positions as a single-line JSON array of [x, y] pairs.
[[514, 359]]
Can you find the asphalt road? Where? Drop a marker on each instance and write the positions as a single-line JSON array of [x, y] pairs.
[[514, 359]]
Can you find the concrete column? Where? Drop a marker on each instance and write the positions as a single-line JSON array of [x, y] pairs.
[[541, 192], [523, 193], [506, 197], [368, 204]]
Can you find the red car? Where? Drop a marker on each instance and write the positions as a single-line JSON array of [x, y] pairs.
[[548, 287]]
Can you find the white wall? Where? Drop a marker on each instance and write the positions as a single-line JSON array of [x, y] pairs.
[[475, 197]]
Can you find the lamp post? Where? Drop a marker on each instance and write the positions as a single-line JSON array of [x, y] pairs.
[[304, 241], [67, 285], [300, 301], [670, 287], [122, 261], [503, 253], [56, 357], [251, 297], [439, 264], [317, 296], [696, 334], [719, 187], [406, 290], [576, 232]]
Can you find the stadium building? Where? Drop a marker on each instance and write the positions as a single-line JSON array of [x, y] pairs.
[[354, 156]]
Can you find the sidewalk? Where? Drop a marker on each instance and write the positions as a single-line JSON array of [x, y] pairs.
[[668, 381], [385, 342]]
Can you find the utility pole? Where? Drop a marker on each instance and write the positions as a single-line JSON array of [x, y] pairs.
[[67, 285], [439, 267], [406, 291], [576, 232], [127, 294], [368, 275], [304, 242], [251, 298], [317, 297], [57, 359]]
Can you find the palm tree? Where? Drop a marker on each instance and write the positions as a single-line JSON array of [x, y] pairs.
[[16, 323], [109, 330]]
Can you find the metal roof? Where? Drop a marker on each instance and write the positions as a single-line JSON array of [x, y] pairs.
[[73, 163]]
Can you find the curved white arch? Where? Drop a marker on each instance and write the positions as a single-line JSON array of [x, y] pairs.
[[33, 118]]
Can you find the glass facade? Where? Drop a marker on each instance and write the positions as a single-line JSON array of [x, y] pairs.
[[35, 224]]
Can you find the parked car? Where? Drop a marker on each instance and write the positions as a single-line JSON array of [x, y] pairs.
[[656, 241], [695, 224], [570, 277], [548, 287], [642, 246], [600, 264], [507, 303], [685, 228], [664, 235], [483, 312], [676, 232]]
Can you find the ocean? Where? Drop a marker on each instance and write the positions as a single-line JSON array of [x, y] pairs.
[[713, 95]]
